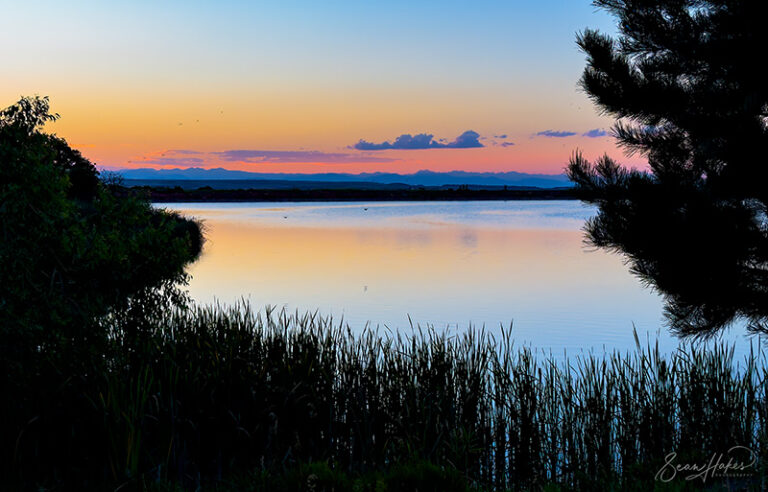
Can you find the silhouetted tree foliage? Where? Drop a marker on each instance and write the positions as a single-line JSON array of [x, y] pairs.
[[69, 249], [683, 80]]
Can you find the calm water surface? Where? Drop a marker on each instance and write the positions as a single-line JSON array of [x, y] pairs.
[[444, 264]]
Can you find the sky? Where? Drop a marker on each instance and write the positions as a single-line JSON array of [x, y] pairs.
[[303, 86]]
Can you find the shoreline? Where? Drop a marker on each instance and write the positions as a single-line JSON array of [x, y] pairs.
[[179, 195]]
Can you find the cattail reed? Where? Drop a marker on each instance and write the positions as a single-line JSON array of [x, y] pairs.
[[196, 395]]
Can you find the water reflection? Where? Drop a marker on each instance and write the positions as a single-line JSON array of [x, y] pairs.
[[445, 264]]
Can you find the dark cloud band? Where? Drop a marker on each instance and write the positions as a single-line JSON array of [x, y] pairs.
[[555, 134], [596, 133], [289, 156], [255, 156]]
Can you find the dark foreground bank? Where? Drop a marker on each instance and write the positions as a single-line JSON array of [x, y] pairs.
[[209, 194], [227, 399]]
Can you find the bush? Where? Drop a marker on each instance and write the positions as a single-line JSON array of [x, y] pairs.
[[70, 250]]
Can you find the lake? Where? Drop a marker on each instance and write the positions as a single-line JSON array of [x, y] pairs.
[[440, 264]]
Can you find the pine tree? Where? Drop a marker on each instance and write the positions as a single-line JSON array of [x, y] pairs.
[[683, 80]]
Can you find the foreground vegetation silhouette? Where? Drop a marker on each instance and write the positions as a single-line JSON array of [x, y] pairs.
[[230, 399], [680, 78], [70, 249]]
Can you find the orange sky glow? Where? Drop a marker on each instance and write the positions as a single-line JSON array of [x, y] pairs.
[[134, 82]]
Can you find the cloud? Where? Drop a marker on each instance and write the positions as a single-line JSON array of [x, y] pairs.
[[292, 156], [503, 135], [194, 158], [468, 139], [171, 161], [507, 144], [169, 158], [555, 134], [596, 133]]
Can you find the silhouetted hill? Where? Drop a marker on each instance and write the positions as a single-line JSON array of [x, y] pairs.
[[420, 178], [261, 184]]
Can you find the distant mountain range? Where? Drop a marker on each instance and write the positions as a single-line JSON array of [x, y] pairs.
[[420, 178]]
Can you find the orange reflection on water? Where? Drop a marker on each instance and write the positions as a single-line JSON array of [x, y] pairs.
[[444, 274]]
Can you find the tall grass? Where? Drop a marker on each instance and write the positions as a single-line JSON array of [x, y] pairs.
[[196, 395]]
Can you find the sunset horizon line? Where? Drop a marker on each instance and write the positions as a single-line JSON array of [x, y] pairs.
[[320, 172]]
